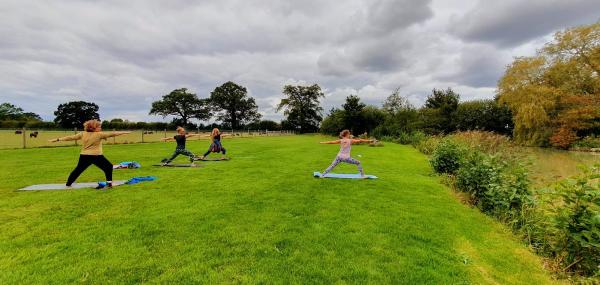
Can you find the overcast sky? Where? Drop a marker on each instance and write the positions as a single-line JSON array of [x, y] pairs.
[[123, 55]]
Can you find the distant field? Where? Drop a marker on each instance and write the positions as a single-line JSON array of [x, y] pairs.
[[260, 218], [8, 138]]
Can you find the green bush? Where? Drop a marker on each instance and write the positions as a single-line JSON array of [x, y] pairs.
[[412, 138], [576, 233], [447, 157], [428, 145], [588, 142], [497, 187]]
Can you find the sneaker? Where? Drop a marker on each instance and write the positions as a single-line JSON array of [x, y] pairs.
[[103, 185]]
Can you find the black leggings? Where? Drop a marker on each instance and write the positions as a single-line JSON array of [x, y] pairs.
[[85, 161]]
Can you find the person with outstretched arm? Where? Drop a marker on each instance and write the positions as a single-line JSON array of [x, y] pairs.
[[180, 138], [91, 151], [215, 144], [343, 155]]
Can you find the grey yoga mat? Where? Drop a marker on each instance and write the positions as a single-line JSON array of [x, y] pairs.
[[344, 176], [86, 185]]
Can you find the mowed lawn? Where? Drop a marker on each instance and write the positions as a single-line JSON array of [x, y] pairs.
[[260, 218]]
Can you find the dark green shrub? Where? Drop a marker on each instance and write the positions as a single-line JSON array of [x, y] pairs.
[[577, 223], [497, 187], [447, 157]]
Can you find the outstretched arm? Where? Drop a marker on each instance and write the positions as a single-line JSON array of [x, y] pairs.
[[331, 142], [167, 139], [361, 140], [67, 138], [192, 135], [116, 134]]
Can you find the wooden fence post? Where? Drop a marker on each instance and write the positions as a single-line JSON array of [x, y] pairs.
[[114, 140], [75, 132], [24, 138], [143, 136]]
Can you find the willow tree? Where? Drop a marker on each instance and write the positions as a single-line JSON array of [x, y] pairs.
[[555, 95]]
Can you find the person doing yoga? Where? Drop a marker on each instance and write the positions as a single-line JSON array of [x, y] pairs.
[[180, 138], [215, 144], [91, 151], [343, 155]]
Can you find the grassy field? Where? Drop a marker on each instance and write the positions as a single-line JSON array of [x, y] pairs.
[[259, 218], [10, 140]]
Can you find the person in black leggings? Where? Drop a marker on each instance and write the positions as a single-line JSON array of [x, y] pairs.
[[85, 161], [91, 150], [180, 138]]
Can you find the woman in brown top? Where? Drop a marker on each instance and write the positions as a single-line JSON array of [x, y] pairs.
[[91, 150]]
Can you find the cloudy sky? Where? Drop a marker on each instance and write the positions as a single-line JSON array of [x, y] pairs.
[[123, 55]]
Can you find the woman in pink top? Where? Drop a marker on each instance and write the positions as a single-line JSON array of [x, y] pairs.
[[345, 142]]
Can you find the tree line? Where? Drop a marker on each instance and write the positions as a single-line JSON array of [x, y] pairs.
[[442, 113], [228, 105], [550, 99]]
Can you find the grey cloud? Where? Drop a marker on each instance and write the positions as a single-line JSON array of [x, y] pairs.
[[125, 54], [512, 22], [385, 16], [478, 66]]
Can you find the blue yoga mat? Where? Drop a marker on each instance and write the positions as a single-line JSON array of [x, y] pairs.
[[343, 176]]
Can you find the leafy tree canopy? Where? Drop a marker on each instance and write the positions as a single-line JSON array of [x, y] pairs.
[[183, 105], [554, 95], [301, 107], [11, 112], [74, 114], [233, 105]]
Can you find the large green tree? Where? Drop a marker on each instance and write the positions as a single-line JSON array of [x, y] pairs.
[[334, 122], [183, 105], [301, 107], [485, 115], [11, 112], [233, 105], [74, 114], [437, 115], [353, 119]]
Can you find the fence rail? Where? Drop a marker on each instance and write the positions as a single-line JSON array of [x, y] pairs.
[[25, 138]]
